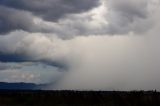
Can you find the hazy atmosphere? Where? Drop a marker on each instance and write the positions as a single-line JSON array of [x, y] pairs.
[[81, 44]]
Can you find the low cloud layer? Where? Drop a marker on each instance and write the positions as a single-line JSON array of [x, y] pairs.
[[33, 47], [85, 45]]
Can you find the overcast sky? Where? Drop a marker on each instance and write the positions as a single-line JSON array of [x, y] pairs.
[[81, 44]]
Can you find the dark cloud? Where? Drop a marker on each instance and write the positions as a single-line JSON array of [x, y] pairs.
[[51, 10], [14, 61], [19, 14], [11, 19], [13, 58], [18, 58], [65, 18]]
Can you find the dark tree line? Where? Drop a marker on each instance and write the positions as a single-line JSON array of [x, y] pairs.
[[74, 98]]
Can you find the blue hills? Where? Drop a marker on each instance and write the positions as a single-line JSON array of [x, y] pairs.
[[21, 86]]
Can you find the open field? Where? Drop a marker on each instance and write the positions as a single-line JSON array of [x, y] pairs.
[[74, 98]]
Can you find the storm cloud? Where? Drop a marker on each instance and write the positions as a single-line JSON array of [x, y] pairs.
[[51, 10], [19, 15], [85, 44], [71, 18]]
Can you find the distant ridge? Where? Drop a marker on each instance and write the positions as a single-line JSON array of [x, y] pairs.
[[20, 86]]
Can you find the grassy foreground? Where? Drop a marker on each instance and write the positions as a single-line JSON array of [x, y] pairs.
[[78, 98]]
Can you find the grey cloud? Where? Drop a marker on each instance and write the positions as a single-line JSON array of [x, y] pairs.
[[12, 19], [126, 16], [110, 18], [51, 10], [24, 47], [65, 18], [6, 66], [3, 66], [20, 15]]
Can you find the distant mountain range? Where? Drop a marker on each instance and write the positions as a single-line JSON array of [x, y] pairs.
[[21, 86]]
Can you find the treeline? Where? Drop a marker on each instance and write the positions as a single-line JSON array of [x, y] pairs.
[[81, 98]]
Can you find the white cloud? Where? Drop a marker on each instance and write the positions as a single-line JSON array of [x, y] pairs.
[[18, 76]]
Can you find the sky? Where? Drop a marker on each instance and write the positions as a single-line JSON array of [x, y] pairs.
[[81, 44]]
